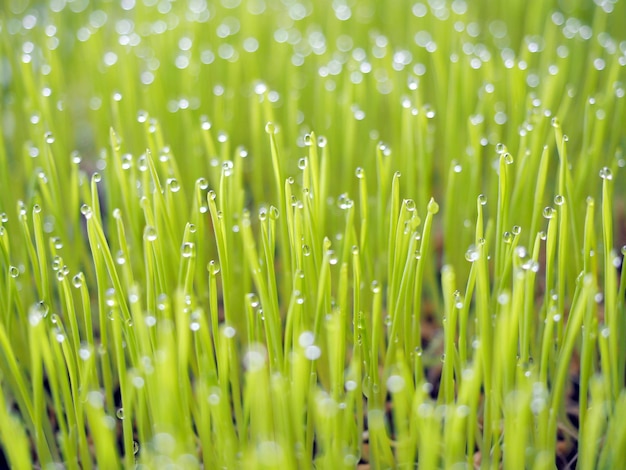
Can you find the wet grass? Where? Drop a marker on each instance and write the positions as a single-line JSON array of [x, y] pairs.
[[263, 234]]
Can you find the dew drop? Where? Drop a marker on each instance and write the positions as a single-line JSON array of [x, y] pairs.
[[312, 352], [173, 185], [606, 174], [270, 128], [86, 211], [187, 250], [433, 207], [149, 233], [472, 254], [395, 383]]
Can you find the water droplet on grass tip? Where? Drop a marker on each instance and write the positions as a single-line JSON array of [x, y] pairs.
[[149, 233], [119, 413], [472, 254], [559, 200], [213, 267], [433, 207], [86, 211], [606, 174], [187, 250], [253, 300], [548, 212], [312, 352], [395, 383], [173, 185], [270, 128]]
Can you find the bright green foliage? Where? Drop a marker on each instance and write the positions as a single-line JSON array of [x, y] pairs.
[[237, 233]]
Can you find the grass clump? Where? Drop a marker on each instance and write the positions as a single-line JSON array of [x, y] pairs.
[[263, 234]]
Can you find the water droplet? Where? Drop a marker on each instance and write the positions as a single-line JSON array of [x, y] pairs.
[[350, 385], [344, 202], [253, 300], [270, 128], [605, 173], [312, 352], [86, 211], [173, 185], [202, 183], [303, 162], [548, 212], [433, 207], [306, 339], [395, 383], [205, 124], [187, 250], [49, 137], [472, 254], [120, 258], [84, 352], [213, 267], [149, 233], [119, 413], [559, 200]]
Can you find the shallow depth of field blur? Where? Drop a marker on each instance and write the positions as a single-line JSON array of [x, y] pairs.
[[312, 234]]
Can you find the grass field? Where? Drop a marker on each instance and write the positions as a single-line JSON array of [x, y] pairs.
[[305, 234]]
